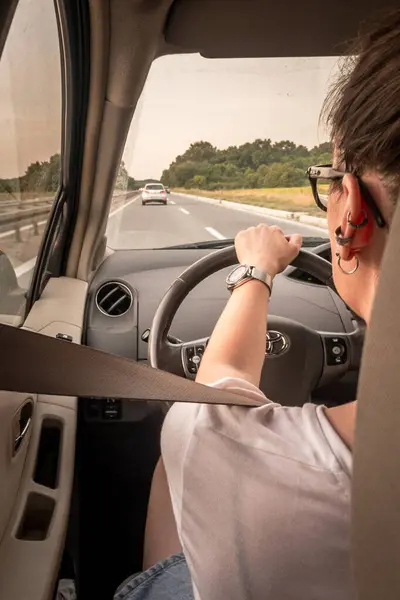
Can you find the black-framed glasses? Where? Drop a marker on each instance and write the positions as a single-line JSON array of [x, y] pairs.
[[321, 178]]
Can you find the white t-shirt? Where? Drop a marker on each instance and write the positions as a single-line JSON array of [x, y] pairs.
[[261, 498]]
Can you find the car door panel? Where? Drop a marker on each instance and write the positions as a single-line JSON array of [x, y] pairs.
[[32, 544], [11, 464], [36, 483]]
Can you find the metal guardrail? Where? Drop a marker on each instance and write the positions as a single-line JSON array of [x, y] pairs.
[[23, 214], [20, 204], [13, 222]]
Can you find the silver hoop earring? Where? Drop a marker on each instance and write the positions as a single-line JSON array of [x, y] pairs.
[[339, 260]]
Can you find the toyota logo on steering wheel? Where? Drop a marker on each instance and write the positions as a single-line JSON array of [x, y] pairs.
[[277, 343]]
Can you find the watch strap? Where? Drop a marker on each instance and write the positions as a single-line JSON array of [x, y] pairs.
[[261, 276], [252, 273]]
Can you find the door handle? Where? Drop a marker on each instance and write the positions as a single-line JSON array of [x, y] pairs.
[[22, 425]]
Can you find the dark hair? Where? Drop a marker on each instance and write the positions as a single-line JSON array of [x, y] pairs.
[[363, 107]]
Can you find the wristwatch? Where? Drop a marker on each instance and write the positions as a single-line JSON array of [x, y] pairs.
[[244, 273]]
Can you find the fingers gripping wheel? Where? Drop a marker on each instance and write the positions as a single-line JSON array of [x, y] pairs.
[[308, 359]]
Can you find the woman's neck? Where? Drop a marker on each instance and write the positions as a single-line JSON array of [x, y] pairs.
[[343, 420]]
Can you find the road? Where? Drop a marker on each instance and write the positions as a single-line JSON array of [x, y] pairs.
[[186, 220], [133, 226]]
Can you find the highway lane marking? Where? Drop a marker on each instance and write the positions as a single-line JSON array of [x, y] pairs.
[[172, 202], [117, 210], [25, 267], [215, 233], [186, 212]]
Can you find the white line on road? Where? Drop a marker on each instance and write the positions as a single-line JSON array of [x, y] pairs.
[[25, 267], [172, 202], [117, 210], [29, 265], [186, 212], [215, 233]]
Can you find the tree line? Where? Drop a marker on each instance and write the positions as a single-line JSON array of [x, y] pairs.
[[259, 164], [39, 177], [44, 177]]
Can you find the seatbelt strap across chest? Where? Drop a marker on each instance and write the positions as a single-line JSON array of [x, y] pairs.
[[35, 363]]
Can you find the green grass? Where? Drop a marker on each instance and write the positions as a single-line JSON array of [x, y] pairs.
[[298, 199]]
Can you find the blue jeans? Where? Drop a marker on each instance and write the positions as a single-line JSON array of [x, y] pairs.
[[167, 580]]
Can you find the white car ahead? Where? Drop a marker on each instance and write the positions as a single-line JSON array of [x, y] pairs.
[[154, 192]]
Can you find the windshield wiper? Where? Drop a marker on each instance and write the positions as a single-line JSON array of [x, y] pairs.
[[202, 245]]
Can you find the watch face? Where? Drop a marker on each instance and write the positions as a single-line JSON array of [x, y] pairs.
[[237, 274]]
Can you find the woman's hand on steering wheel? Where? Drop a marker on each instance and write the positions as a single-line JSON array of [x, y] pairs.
[[267, 248]]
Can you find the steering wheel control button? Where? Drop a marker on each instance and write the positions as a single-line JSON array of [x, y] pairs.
[[336, 351], [191, 363], [192, 357], [112, 409]]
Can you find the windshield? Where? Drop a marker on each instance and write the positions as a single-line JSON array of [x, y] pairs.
[[230, 141]]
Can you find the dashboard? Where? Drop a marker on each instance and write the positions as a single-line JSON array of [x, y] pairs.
[[129, 285]]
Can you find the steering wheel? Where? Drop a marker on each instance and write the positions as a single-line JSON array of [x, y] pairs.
[[297, 359]]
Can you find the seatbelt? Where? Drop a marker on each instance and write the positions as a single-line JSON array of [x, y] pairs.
[[376, 477], [34, 363]]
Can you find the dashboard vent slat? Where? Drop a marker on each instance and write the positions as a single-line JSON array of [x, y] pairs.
[[114, 299]]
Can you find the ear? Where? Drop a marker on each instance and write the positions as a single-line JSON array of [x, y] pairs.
[[355, 212]]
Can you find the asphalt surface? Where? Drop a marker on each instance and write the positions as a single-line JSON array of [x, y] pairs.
[[133, 226], [185, 220]]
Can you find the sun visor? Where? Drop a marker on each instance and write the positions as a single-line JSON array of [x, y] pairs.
[[261, 28]]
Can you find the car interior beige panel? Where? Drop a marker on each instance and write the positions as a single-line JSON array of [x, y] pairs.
[[12, 459], [61, 305], [31, 548], [135, 36], [34, 501], [116, 121], [376, 483], [132, 42]]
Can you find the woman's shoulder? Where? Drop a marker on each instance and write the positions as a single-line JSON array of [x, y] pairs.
[[301, 434]]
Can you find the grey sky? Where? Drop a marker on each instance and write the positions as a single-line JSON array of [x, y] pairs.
[[30, 89], [226, 102], [186, 98]]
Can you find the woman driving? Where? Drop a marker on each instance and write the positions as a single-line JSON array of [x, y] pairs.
[[261, 497]]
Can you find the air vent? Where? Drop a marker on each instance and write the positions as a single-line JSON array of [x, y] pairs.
[[114, 299]]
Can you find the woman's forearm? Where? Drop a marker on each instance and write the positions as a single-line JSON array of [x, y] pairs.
[[237, 345]]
